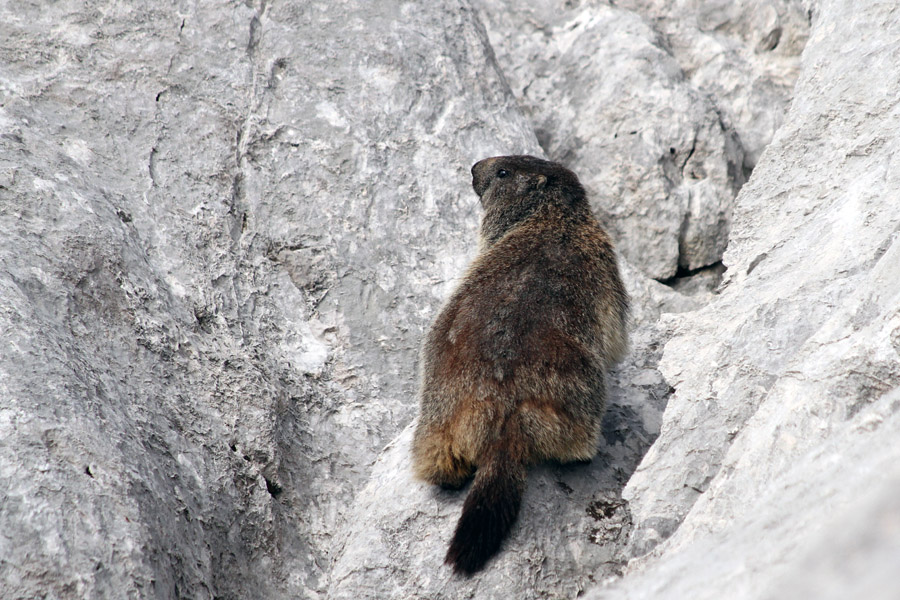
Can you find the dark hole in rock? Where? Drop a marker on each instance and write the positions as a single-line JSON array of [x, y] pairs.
[[273, 488], [692, 281]]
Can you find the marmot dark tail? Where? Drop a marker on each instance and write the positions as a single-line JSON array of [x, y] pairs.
[[488, 513]]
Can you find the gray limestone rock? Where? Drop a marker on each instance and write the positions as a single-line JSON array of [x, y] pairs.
[[609, 100], [228, 224], [743, 54], [666, 105], [786, 403]]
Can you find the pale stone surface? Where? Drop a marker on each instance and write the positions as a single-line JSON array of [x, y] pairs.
[[226, 226], [743, 53], [610, 101], [785, 417], [666, 105]]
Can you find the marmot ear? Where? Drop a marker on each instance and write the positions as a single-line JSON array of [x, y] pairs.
[[540, 181]]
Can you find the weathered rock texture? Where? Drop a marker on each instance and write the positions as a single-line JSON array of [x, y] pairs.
[[784, 425], [228, 224], [742, 53], [664, 108]]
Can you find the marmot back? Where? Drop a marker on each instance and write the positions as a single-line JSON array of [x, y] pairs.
[[513, 368]]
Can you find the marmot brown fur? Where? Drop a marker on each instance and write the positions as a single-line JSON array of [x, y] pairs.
[[513, 368]]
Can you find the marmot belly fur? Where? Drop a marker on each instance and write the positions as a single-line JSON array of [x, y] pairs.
[[513, 368]]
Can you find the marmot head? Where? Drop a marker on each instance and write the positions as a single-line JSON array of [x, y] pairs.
[[511, 188]]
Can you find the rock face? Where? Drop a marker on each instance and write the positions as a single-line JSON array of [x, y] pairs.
[[664, 108], [782, 420], [226, 229], [743, 54], [227, 226]]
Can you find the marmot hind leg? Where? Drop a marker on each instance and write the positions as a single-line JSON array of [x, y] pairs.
[[435, 462]]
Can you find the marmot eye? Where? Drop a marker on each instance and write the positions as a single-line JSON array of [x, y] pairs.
[[502, 173]]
